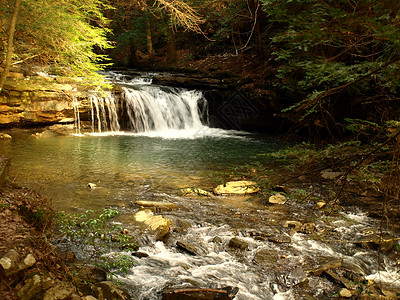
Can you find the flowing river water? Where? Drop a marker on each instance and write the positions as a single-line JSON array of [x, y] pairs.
[[172, 149]]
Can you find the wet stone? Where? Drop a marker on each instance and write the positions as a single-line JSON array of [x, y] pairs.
[[237, 243], [188, 247], [345, 293], [281, 239], [293, 277], [307, 228], [277, 199], [195, 293], [326, 264], [140, 254], [294, 225], [266, 257], [237, 187], [320, 204], [158, 204]]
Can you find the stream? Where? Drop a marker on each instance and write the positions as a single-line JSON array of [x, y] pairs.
[[163, 145]]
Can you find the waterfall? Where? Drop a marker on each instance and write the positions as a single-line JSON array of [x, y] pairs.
[[77, 118], [104, 113], [148, 109], [157, 109]]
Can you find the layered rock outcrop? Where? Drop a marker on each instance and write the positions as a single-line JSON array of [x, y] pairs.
[[38, 100]]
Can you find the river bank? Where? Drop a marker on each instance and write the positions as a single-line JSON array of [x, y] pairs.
[[31, 264]]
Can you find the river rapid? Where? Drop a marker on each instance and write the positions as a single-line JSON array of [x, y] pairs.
[[285, 251]]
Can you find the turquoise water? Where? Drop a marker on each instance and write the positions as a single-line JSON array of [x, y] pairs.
[[124, 167]]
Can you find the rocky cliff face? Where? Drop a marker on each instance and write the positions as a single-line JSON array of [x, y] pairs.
[[37, 100]]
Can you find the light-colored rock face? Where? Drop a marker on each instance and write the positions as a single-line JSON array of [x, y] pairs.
[[158, 225], [277, 199], [39, 100], [237, 187]]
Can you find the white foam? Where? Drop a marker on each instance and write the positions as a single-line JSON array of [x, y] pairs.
[[201, 132]]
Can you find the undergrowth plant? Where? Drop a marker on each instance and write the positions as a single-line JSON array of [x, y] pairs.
[[102, 237]]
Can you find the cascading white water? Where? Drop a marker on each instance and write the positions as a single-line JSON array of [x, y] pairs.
[[77, 118], [104, 113], [154, 109]]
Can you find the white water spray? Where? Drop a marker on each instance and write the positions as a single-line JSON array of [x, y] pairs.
[[154, 109], [104, 112], [77, 118]]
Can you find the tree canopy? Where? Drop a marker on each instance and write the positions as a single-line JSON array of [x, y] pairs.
[[61, 34]]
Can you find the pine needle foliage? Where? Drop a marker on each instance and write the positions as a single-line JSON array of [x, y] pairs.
[[67, 35], [337, 51]]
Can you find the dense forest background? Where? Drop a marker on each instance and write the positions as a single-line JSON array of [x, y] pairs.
[[334, 64]]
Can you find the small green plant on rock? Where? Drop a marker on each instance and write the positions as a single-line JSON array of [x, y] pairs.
[[101, 236]]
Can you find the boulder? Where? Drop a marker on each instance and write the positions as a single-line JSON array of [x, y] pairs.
[[188, 247], [89, 274], [158, 204], [277, 199], [31, 288], [13, 262], [158, 225], [345, 293], [110, 291], [294, 225], [237, 187], [237, 243], [60, 291], [266, 257], [140, 254], [5, 136], [325, 265]]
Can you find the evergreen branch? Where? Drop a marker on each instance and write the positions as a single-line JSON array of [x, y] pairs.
[[314, 101]]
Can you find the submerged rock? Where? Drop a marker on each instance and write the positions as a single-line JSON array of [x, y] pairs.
[[195, 192], [158, 204], [237, 187]]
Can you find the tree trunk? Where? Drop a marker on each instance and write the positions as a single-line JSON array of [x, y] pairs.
[[10, 43], [257, 27], [150, 49], [171, 54]]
